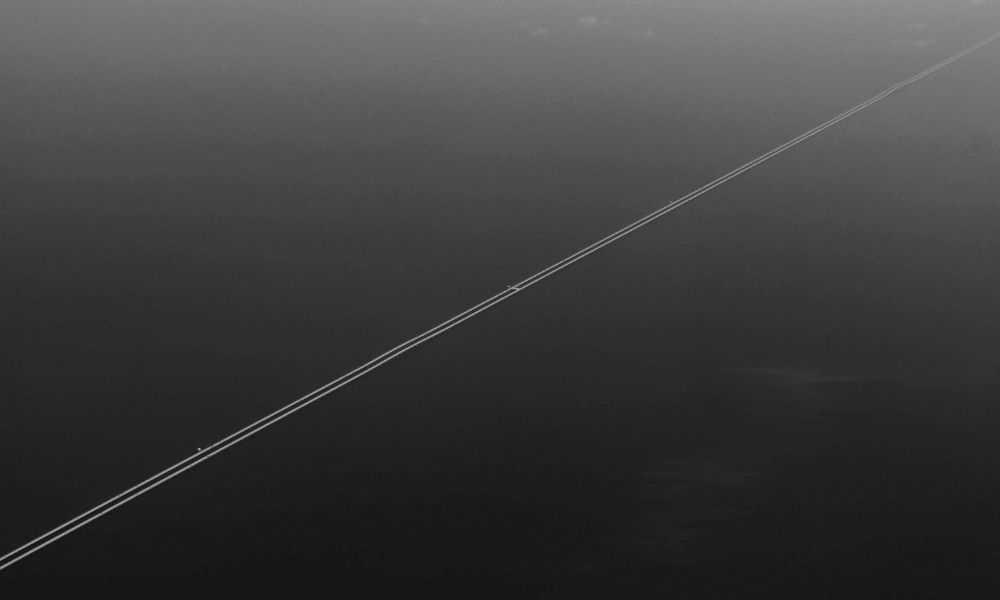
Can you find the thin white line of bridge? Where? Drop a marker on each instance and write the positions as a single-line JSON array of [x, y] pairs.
[[56, 533]]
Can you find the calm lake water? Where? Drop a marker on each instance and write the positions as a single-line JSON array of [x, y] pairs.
[[791, 385]]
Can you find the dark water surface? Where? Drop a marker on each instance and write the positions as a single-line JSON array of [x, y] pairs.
[[790, 386]]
